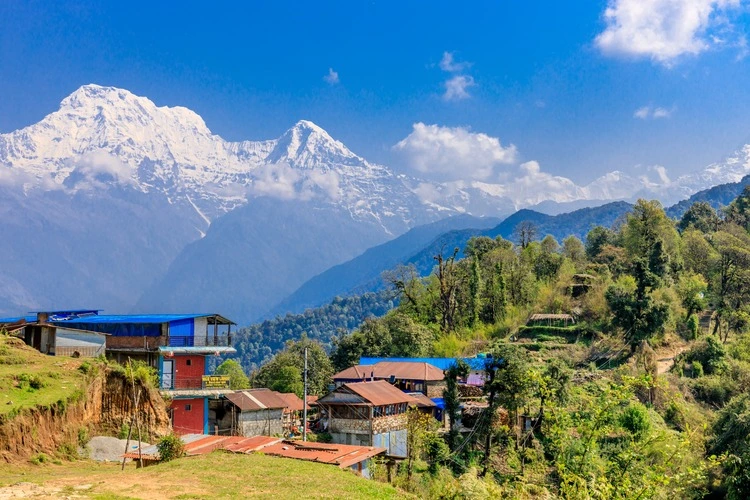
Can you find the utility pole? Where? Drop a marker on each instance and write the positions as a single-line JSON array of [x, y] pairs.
[[304, 403]]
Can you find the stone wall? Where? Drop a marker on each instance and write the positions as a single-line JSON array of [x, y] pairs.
[[349, 426], [389, 423], [261, 423], [435, 389]]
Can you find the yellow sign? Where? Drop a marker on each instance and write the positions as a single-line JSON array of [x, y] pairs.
[[215, 382]]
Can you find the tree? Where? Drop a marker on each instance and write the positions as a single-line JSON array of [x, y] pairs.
[[459, 370], [418, 425], [730, 283], [700, 216], [574, 250], [394, 335], [692, 291], [475, 284], [596, 239], [448, 283], [237, 377], [649, 233], [549, 244], [634, 311], [738, 212], [732, 436], [493, 297], [507, 382], [284, 372], [525, 233]]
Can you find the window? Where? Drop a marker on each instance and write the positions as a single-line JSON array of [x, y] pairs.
[[189, 362], [188, 407]]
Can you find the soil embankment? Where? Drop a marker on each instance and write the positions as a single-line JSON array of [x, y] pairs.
[[102, 402]]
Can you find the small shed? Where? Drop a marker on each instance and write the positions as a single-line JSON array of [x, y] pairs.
[[256, 412]]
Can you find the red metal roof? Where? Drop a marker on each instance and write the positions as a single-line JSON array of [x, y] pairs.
[[336, 454], [422, 401], [293, 402], [256, 399], [377, 393], [402, 370]]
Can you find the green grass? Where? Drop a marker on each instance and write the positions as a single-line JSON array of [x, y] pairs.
[[217, 475], [31, 379]]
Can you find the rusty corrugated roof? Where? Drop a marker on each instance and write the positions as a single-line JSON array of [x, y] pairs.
[[402, 370], [336, 454], [293, 402], [256, 399], [422, 401], [376, 393]]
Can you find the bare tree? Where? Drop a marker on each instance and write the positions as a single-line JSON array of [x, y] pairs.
[[525, 233]]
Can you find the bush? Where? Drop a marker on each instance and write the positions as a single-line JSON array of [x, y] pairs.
[[635, 420], [170, 447], [709, 353], [321, 437], [714, 390]]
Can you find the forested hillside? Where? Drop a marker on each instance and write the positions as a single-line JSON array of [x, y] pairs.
[[646, 395], [258, 343]]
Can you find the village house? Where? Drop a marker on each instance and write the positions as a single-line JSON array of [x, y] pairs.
[[474, 378], [38, 331], [367, 414], [254, 412], [407, 376], [176, 345]]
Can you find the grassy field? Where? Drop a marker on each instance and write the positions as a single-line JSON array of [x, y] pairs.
[[218, 475], [29, 378]]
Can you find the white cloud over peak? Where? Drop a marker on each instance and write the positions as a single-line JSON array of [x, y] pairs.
[[449, 64], [664, 30], [332, 77], [652, 113], [280, 180], [456, 88], [451, 153]]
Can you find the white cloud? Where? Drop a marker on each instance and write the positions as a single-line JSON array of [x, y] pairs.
[[664, 30], [652, 113], [449, 64], [279, 180], [455, 88], [332, 77], [97, 169], [451, 153]]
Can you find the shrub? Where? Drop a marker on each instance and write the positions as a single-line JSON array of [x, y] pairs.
[[635, 420], [714, 390], [40, 458], [170, 447], [709, 353]]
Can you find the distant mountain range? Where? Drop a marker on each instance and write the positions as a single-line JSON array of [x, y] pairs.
[[116, 203]]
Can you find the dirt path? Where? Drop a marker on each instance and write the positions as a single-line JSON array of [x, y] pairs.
[[665, 357]]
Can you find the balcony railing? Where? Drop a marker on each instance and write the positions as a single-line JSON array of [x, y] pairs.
[[200, 341], [192, 382]]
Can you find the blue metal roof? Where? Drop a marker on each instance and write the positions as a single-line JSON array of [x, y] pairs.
[[140, 319], [16, 319], [442, 363]]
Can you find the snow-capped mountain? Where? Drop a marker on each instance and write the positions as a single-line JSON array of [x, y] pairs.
[[123, 192], [105, 135]]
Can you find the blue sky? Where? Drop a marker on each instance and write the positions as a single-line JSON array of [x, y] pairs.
[[581, 87]]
